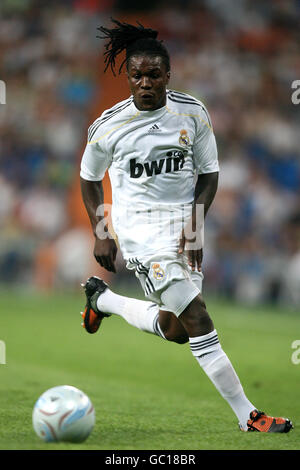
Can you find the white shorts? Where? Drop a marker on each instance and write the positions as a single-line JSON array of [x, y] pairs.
[[167, 281]]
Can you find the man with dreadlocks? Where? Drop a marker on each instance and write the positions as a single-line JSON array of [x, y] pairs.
[[160, 150]]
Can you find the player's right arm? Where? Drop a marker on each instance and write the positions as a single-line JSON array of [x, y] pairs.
[[105, 248], [94, 164]]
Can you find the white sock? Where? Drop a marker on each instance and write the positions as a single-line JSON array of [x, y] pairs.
[[139, 313], [215, 363]]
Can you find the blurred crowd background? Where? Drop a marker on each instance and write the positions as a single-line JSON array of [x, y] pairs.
[[239, 57]]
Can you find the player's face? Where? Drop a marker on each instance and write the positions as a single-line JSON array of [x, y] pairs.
[[148, 79]]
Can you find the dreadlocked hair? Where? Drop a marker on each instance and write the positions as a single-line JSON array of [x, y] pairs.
[[134, 40]]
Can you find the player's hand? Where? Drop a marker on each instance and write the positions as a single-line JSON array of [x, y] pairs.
[[194, 256], [105, 252]]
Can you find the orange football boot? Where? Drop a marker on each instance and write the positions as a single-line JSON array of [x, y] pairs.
[[92, 317], [260, 422]]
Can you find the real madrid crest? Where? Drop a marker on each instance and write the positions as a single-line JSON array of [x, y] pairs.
[[158, 272], [184, 138]]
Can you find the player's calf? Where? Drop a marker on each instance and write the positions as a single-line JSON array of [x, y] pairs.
[[176, 338], [172, 328]]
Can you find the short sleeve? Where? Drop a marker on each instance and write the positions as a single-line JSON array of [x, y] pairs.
[[94, 162], [205, 148]]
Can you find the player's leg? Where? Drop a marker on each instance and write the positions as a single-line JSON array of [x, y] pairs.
[[144, 315], [206, 348], [205, 345]]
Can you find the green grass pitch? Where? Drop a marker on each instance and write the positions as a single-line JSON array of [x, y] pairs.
[[148, 393]]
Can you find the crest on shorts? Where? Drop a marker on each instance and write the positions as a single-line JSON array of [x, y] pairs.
[[158, 272], [184, 138]]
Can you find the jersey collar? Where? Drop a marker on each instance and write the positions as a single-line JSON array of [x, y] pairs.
[[157, 112]]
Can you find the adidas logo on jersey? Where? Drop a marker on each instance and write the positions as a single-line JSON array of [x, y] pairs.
[[174, 161], [154, 129]]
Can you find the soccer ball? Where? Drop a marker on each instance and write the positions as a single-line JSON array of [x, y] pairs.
[[63, 413]]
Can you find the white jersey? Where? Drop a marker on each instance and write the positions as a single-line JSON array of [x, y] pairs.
[[152, 158]]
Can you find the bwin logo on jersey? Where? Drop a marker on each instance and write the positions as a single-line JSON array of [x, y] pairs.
[[174, 161]]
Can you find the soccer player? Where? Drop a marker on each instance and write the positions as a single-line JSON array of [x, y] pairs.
[[159, 148]]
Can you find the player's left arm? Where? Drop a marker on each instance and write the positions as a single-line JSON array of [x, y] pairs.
[[205, 158], [205, 191]]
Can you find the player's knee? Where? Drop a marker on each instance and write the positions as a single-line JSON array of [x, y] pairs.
[[195, 318], [201, 305]]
